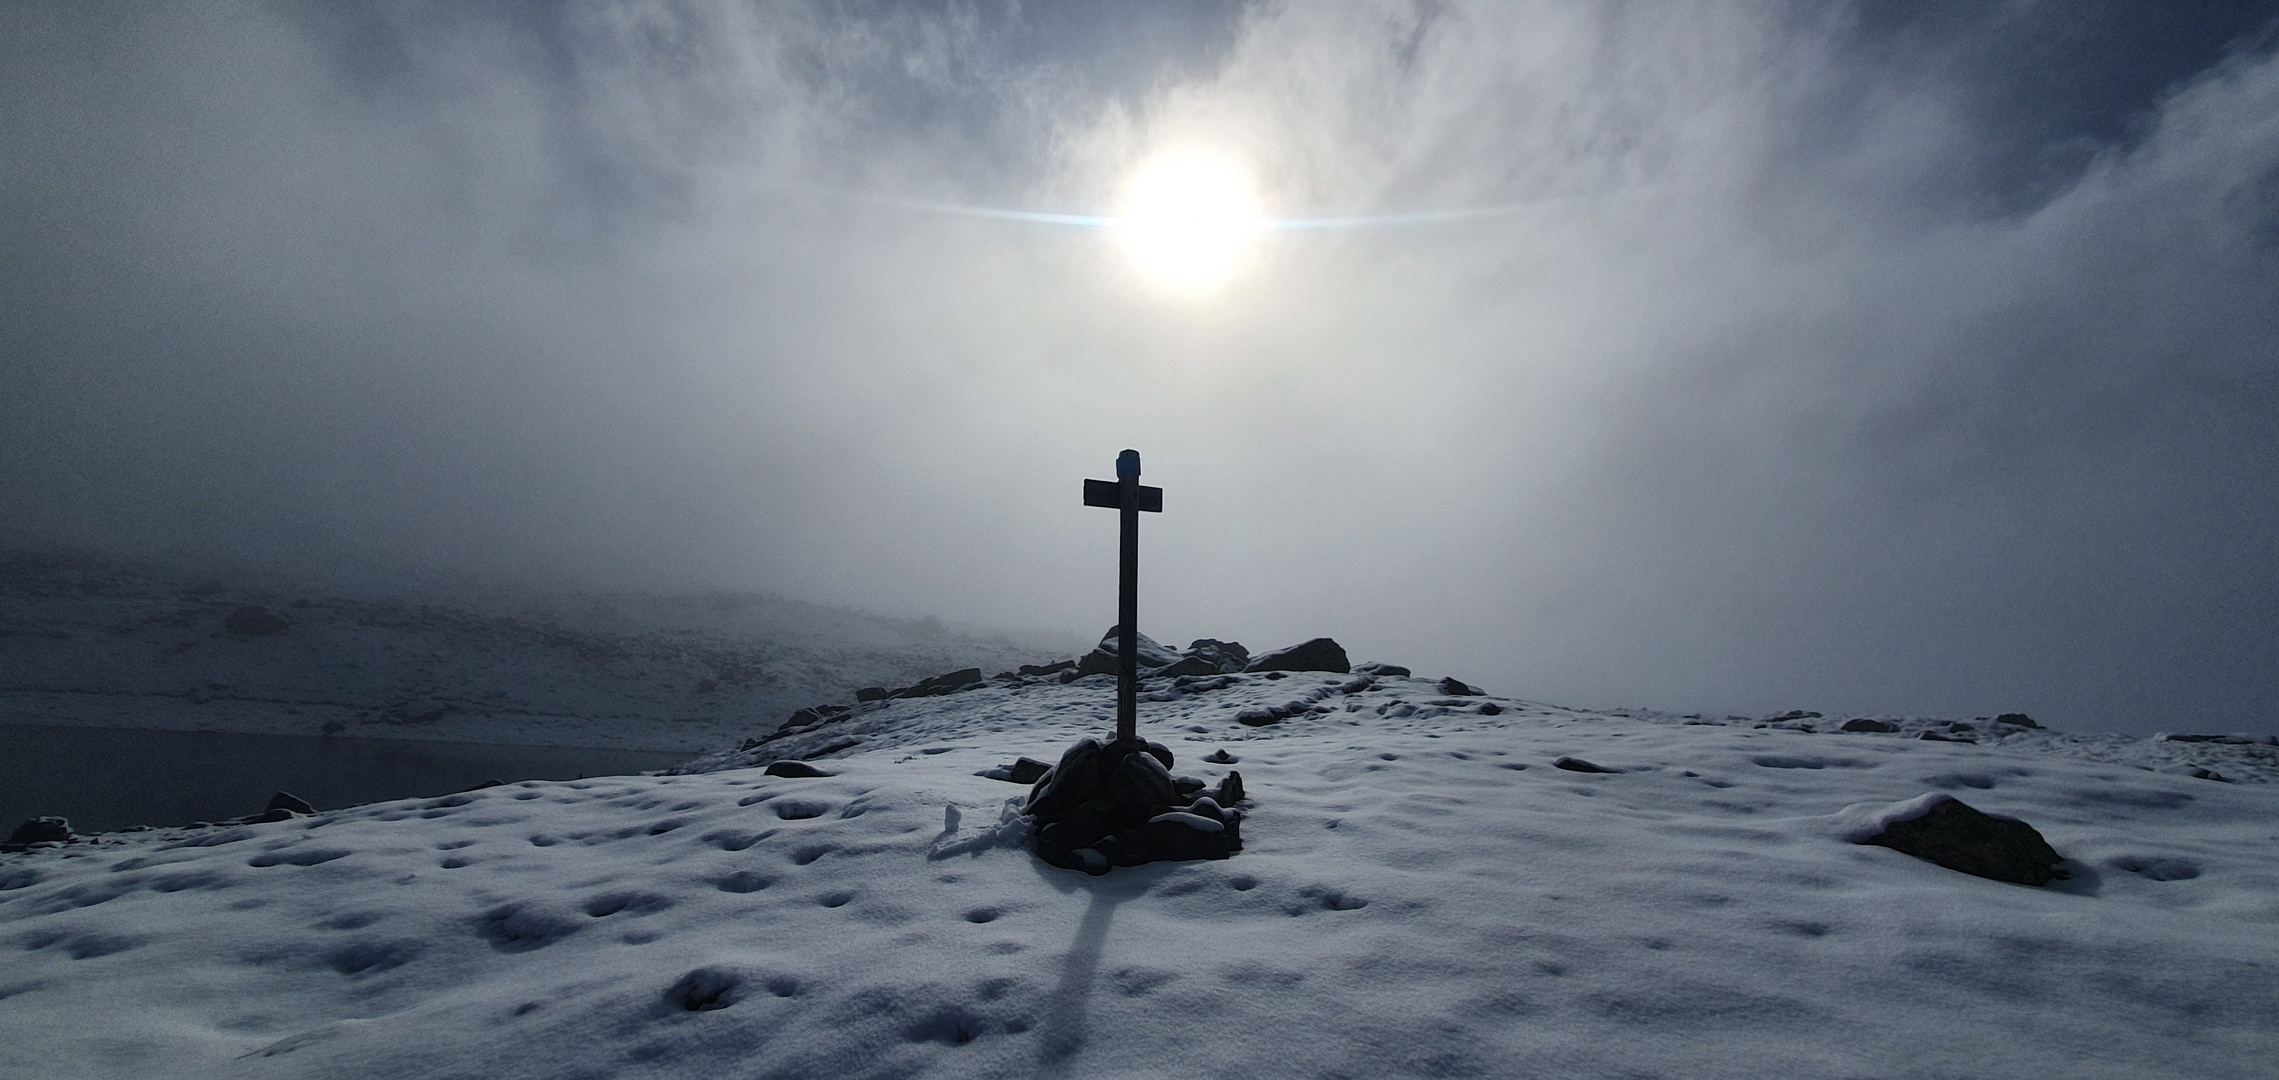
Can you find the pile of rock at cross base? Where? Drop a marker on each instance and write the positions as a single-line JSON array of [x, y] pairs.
[[1117, 804]]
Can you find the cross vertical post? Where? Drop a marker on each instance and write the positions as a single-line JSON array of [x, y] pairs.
[[1128, 497], [1127, 596]]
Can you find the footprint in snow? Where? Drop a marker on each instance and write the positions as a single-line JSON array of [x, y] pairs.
[[629, 903], [1320, 898], [743, 881], [2157, 867], [522, 927]]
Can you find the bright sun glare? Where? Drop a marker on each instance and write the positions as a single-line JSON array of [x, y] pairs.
[[1187, 220]]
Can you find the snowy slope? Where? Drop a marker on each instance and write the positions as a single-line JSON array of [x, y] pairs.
[[85, 642], [1422, 894]]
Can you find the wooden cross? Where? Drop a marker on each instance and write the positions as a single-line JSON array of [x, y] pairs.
[[1127, 495]]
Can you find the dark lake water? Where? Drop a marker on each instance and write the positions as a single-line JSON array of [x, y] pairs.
[[111, 778]]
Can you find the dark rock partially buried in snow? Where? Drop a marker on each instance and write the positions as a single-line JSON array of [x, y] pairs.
[[1103, 659], [282, 806], [793, 769], [1947, 831], [39, 830], [1320, 654], [1576, 764], [1454, 687], [1024, 771], [1885, 727], [942, 684], [289, 802]]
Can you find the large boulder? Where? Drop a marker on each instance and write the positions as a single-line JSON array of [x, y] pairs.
[[1074, 780], [1945, 830], [1140, 780], [1320, 654], [39, 830], [1103, 660]]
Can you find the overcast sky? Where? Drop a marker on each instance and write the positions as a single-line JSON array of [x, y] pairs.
[[1900, 357]]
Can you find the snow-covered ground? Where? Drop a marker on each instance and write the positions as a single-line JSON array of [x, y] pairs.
[[87, 642], [1422, 893]]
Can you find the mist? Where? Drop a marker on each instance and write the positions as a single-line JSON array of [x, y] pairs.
[[1863, 357]]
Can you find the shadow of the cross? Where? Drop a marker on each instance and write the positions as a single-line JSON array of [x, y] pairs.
[[1067, 1021]]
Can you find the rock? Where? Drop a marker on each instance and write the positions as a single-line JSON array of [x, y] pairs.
[[1454, 687], [1115, 751], [287, 801], [1490, 708], [1189, 666], [1220, 757], [2016, 719], [1792, 714], [254, 621], [1376, 668], [1195, 821], [1102, 660], [794, 769], [1076, 779], [1319, 654], [40, 830], [1933, 736], [1258, 717], [871, 693], [1229, 791], [1053, 668], [1576, 764], [1167, 839], [1229, 656], [1955, 835], [1085, 825], [1027, 770], [1139, 781], [942, 684], [1118, 805], [1865, 724]]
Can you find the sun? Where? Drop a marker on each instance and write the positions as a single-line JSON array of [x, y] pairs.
[[1187, 220]]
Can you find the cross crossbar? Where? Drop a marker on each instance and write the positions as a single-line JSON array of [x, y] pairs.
[[1109, 493]]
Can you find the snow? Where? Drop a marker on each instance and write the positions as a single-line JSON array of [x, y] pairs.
[[1421, 894], [1859, 821]]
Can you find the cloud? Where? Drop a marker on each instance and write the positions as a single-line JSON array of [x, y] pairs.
[[1777, 382]]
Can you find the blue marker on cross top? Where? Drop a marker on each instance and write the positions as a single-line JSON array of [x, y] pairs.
[[1128, 496]]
